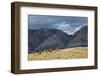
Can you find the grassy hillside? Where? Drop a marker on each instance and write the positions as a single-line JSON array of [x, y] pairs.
[[68, 53]]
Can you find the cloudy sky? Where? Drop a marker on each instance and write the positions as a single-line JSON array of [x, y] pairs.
[[68, 24]]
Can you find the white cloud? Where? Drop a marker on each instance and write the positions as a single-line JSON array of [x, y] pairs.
[[79, 27], [68, 28]]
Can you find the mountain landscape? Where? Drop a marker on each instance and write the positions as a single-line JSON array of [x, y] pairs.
[[52, 39]]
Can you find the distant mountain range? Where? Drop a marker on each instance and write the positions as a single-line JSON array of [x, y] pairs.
[[46, 39]]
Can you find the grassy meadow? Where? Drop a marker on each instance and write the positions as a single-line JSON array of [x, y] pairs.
[[68, 53]]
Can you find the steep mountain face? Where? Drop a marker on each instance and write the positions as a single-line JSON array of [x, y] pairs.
[[80, 38], [46, 39]]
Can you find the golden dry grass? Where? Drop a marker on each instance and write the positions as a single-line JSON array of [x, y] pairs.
[[68, 53]]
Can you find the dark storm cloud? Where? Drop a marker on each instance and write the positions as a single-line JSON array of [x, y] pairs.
[[67, 24]]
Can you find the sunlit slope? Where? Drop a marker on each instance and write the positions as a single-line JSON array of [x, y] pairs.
[[68, 53]]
